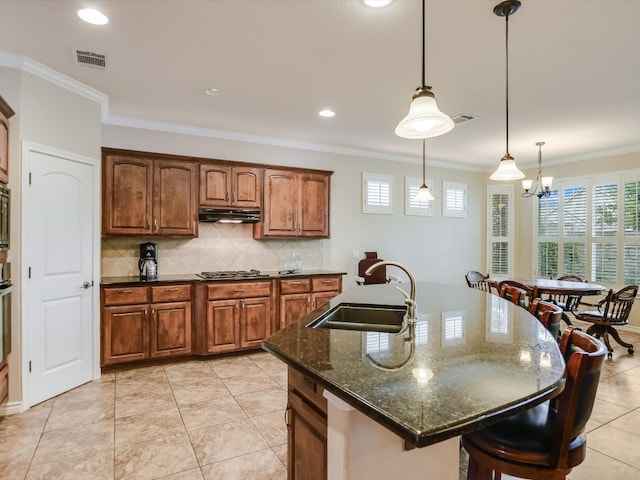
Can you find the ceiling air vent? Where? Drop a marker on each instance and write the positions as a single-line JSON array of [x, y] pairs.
[[463, 117], [89, 59]]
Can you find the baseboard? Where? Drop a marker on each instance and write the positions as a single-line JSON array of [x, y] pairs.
[[10, 408]]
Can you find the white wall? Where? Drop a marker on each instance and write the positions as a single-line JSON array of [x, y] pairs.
[[49, 115], [435, 248]]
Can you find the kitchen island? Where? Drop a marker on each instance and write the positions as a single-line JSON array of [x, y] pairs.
[[472, 359]]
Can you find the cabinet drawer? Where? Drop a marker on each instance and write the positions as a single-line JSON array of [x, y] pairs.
[[304, 387], [125, 295], [326, 284], [170, 293], [297, 285], [219, 291]]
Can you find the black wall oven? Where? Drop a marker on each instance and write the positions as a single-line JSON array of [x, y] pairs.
[[5, 310]]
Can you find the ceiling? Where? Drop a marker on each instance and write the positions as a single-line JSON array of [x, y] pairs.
[[574, 70]]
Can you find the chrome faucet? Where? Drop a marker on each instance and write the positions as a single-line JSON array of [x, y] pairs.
[[409, 298]]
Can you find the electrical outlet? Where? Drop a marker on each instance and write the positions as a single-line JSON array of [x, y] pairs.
[[356, 254]]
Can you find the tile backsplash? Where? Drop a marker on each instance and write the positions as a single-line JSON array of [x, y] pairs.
[[218, 247]]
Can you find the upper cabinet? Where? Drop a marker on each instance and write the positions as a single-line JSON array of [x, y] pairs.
[[230, 186], [5, 114], [148, 195], [296, 204]]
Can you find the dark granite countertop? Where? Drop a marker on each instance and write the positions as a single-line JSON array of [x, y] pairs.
[[192, 277], [489, 359]]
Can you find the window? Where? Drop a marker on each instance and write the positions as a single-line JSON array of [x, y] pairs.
[[500, 230], [454, 199], [591, 228], [377, 193], [411, 205]]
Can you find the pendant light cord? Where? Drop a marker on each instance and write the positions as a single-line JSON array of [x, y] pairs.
[[506, 83], [424, 182], [423, 49]]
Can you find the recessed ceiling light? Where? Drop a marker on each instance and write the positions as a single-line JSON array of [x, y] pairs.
[[327, 113], [212, 91], [93, 16], [377, 3]]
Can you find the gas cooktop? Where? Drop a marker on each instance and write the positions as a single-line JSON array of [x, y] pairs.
[[232, 274]]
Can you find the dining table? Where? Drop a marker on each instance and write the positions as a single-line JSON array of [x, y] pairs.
[[553, 287]]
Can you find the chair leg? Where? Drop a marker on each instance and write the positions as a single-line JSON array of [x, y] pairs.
[[616, 336], [565, 317], [605, 339]]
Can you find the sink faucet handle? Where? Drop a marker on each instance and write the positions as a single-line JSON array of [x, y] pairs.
[[406, 295]]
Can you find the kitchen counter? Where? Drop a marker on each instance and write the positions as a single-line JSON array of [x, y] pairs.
[[488, 359], [192, 277]]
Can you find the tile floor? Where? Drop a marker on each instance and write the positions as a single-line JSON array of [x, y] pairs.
[[223, 419]]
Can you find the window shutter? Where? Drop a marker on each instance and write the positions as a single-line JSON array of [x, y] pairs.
[[632, 209], [604, 210], [548, 208], [548, 259], [631, 263], [574, 259], [413, 206], [500, 230], [574, 211], [604, 263], [454, 201], [377, 193]]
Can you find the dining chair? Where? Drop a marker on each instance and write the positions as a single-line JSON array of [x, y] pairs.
[[568, 303], [547, 441], [548, 314], [612, 311], [524, 293], [478, 280]]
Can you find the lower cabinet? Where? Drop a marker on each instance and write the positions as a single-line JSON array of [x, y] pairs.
[[145, 322], [306, 418], [237, 315], [302, 295]]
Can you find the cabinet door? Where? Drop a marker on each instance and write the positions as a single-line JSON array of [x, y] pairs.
[[170, 329], [314, 206], [127, 195], [222, 325], [319, 299], [307, 441], [294, 307], [4, 149], [215, 185], [125, 334], [255, 320], [280, 204], [174, 198], [246, 187]]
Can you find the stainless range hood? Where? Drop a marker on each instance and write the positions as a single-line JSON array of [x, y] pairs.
[[228, 215]]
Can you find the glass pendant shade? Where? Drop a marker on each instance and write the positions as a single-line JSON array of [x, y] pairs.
[[424, 119], [507, 170], [526, 185], [423, 195], [546, 182]]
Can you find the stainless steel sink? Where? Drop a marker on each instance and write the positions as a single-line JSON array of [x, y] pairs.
[[367, 318]]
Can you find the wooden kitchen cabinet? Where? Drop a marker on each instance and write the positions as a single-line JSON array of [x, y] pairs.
[[295, 205], [148, 195], [301, 295], [230, 186], [238, 315], [5, 114], [145, 322], [306, 419]]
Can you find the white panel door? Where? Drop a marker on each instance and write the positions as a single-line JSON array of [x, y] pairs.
[[59, 230]]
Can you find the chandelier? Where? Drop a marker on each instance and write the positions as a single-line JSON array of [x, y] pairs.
[[542, 186]]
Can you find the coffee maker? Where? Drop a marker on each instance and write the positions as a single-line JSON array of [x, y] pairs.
[[148, 262]]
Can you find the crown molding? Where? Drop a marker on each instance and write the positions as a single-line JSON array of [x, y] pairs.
[[40, 70]]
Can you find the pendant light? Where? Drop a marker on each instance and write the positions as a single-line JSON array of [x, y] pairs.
[[424, 119], [542, 186], [507, 170], [423, 195]]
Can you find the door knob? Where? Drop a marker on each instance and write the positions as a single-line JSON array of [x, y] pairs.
[[86, 285]]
